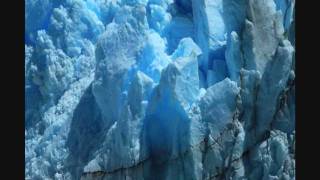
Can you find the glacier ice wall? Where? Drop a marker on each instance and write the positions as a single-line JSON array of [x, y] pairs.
[[160, 89]]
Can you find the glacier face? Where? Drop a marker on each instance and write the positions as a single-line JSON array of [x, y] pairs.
[[159, 89]]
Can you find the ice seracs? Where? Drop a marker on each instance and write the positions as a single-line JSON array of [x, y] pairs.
[[173, 89]]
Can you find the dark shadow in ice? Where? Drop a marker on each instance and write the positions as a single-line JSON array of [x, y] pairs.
[[85, 133]]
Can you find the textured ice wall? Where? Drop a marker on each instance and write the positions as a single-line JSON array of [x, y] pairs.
[[159, 89]]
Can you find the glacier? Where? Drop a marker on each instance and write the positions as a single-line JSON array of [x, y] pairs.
[[160, 89]]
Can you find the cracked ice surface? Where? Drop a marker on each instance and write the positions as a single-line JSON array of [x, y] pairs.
[[160, 89]]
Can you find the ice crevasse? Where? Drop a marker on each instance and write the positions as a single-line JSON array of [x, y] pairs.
[[160, 89]]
